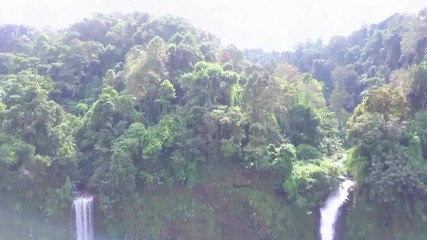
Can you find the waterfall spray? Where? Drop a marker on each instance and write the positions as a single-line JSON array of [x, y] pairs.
[[329, 212], [83, 206]]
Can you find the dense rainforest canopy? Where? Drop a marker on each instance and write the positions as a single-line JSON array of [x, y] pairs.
[[180, 137]]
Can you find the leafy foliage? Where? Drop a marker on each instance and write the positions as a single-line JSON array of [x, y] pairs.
[[134, 107]]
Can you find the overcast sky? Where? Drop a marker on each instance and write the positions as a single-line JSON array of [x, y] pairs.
[[268, 24]]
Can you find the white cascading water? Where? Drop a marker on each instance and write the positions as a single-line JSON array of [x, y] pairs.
[[329, 211], [84, 220]]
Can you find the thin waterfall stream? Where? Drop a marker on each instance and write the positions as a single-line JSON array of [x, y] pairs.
[[83, 207], [329, 211]]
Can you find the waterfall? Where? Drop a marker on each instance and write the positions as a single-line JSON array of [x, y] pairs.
[[84, 220], [329, 211]]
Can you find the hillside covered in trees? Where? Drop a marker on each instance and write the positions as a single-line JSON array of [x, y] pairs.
[[180, 137]]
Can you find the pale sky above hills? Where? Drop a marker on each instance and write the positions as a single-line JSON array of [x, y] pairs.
[[268, 24]]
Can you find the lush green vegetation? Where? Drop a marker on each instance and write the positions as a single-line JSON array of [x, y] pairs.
[[180, 137]]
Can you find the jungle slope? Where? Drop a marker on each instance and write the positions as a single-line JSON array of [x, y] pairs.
[[182, 138]]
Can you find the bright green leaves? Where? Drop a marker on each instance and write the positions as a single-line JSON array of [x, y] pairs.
[[276, 158], [307, 152], [365, 128], [310, 183], [394, 171], [118, 184], [387, 159], [57, 203], [165, 95], [302, 123], [16, 158], [150, 155], [103, 110], [221, 127], [110, 108], [121, 175], [63, 140], [388, 102], [419, 125], [105, 121], [15, 152], [208, 84], [143, 73], [30, 115], [37, 144], [166, 92], [281, 158], [385, 103], [376, 123], [316, 127], [393, 174]]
